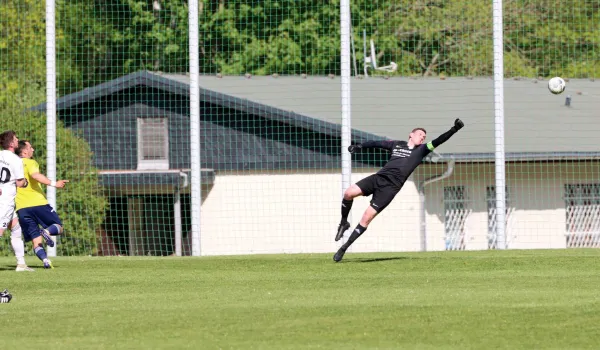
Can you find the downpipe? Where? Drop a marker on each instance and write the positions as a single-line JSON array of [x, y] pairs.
[[449, 171]]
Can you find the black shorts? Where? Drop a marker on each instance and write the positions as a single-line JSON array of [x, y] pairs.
[[382, 189]]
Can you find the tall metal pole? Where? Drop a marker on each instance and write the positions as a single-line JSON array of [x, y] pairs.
[[51, 107], [499, 125], [196, 180], [346, 98]]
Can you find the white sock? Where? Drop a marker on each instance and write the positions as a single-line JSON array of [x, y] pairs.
[[16, 240]]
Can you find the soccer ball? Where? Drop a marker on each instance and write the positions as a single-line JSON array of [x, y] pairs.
[[557, 85]]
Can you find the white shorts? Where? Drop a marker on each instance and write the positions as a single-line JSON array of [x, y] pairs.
[[7, 212]]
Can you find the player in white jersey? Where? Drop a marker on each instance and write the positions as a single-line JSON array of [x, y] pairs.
[[11, 176]]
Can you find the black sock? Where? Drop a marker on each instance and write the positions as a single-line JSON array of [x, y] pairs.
[[359, 230], [346, 206]]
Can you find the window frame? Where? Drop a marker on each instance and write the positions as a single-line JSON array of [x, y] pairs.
[[152, 164]]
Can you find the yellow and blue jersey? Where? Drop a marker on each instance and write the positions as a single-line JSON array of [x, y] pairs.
[[32, 195]]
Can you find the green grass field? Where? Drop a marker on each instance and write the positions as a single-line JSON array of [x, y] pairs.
[[446, 300]]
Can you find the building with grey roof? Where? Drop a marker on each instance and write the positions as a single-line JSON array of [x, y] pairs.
[[536, 121], [270, 153]]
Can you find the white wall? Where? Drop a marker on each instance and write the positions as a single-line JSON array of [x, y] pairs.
[[536, 204], [299, 212]]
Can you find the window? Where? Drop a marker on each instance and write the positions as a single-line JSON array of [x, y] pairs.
[[153, 144], [490, 194], [455, 215], [582, 204]]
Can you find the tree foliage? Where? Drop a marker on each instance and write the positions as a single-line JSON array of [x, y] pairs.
[[22, 64], [272, 36], [430, 37], [107, 39], [101, 40]]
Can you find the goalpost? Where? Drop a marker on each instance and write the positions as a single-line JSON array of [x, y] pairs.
[[216, 127]]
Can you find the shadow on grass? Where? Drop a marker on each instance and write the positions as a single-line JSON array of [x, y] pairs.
[[370, 260], [13, 267], [390, 258]]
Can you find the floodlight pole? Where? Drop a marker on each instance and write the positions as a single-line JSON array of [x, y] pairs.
[[346, 98], [51, 108], [499, 125], [196, 175]]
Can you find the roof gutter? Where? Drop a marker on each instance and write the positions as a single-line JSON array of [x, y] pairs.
[[523, 156], [421, 187]]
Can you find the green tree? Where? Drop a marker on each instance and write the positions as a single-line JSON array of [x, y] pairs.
[[82, 46], [554, 38], [101, 40], [430, 37], [129, 35], [22, 50], [455, 37], [272, 36], [81, 204]]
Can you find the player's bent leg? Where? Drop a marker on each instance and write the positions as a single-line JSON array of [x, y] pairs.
[[54, 229], [368, 216], [52, 226], [40, 252], [352, 192], [349, 195], [47, 237], [366, 219], [38, 248], [342, 227]]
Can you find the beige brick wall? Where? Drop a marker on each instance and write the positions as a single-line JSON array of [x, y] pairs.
[[299, 212]]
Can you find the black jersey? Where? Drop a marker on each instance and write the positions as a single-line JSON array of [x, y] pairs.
[[403, 159]]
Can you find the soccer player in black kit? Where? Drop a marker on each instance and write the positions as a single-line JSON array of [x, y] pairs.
[[405, 157]]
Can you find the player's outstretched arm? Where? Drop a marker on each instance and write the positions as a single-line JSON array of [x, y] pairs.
[[388, 145], [458, 124], [41, 178], [22, 182]]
